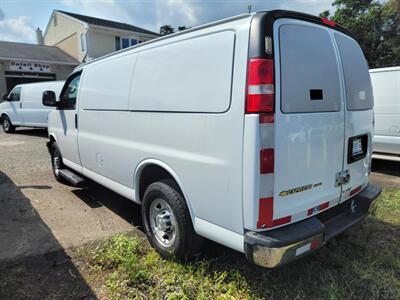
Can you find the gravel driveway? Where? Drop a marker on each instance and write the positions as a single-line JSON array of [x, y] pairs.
[[39, 215]]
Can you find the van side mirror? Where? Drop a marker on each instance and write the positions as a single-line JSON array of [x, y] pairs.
[[5, 97], [49, 98]]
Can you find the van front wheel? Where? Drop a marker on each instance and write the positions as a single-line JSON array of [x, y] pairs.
[[167, 221], [56, 162], [7, 125]]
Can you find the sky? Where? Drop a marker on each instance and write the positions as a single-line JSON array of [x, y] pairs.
[[19, 18]]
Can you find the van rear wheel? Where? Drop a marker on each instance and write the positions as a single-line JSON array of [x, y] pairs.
[[7, 125], [167, 221]]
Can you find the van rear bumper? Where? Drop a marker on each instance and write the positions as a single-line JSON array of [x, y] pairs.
[[279, 246]]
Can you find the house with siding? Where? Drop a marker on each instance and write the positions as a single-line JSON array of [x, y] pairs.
[[85, 38]]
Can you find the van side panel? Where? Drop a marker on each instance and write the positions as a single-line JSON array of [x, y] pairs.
[[202, 141], [107, 83], [193, 75], [34, 112], [386, 86], [104, 119]]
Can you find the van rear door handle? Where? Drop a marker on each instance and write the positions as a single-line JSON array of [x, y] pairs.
[[76, 121]]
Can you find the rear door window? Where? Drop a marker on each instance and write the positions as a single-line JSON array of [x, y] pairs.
[[309, 70], [356, 74]]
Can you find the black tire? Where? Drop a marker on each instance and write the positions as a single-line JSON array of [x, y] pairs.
[[187, 244], [8, 127], [56, 162]]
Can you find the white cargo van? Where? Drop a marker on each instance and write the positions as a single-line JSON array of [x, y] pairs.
[[23, 105], [386, 86], [254, 132]]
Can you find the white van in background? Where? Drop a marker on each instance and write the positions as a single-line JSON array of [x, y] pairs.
[[23, 105], [254, 132], [386, 86]]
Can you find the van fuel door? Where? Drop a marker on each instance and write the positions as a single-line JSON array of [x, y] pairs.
[[342, 178]]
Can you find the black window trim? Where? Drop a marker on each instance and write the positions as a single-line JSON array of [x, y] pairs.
[[66, 84], [12, 93]]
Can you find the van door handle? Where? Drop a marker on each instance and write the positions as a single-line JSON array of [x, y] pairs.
[[76, 121], [20, 105]]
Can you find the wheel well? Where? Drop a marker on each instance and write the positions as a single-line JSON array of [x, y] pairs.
[[51, 139], [50, 142], [153, 173], [2, 116]]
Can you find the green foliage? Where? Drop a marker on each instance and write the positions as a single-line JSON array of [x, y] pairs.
[[376, 27], [390, 208], [166, 29], [138, 273]]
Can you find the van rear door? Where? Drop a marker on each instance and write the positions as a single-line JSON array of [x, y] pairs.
[[358, 114], [309, 120]]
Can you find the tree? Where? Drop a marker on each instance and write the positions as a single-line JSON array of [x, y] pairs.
[[391, 30], [166, 29], [376, 27]]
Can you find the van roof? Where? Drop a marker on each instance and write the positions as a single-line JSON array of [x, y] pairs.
[[42, 82], [278, 14], [387, 69], [275, 14], [242, 16]]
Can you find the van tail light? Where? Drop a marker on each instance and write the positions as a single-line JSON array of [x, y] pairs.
[[266, 161], [260, 86]]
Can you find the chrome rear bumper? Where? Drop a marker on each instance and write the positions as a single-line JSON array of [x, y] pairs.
[[279, 246]]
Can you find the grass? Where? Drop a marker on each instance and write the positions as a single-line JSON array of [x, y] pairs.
[[362, 264]]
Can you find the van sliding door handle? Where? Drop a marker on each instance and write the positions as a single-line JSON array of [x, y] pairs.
[[76, 121]]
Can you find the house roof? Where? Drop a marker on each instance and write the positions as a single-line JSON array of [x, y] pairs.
[[107, 23], [12, 50]]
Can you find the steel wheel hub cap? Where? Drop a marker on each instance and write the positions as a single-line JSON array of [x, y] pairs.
[[162, 222], [56, 163], [6, 124]]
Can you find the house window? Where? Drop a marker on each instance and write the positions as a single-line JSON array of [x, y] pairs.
[[83, 42], [117, 43], [125, 42]]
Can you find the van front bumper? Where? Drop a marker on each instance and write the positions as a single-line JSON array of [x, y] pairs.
[[279, 246]]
